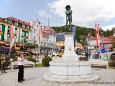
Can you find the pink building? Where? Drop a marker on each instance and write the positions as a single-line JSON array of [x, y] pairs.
[[105, 42]]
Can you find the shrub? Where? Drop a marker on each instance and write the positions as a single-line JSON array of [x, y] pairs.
[[30, 58], [46, 60], [83, 58], [111, 62], [14, 59], [8, 62]]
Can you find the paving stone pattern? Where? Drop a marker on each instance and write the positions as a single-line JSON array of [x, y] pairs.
[[33, 77]]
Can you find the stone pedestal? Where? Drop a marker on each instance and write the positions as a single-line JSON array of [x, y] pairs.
[[69, 53], [69, 68]]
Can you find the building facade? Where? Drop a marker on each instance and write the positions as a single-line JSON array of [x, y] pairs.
[[47, 37], [105, 42], [21, 30], [48, 40], [35, 27], [60, 42]]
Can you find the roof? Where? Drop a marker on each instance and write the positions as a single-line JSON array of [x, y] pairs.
[[102, 38], [19, 21], [49, 30], [1, 18]]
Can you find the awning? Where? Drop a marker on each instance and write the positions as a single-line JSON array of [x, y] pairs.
[[2, 42]]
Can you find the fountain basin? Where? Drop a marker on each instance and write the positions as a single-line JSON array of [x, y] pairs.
[[70, 70]]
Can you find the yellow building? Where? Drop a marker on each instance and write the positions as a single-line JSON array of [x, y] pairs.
[[61, 43], [78, 46], [21, 30]]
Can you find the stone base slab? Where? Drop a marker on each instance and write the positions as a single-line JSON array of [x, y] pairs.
[[47, 77]]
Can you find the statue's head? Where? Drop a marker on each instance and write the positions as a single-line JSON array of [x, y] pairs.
[[68, 7]]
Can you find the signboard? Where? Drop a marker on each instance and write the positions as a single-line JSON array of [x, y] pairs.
[[74, 32]]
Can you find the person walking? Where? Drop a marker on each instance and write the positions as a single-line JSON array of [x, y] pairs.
[[21, 68], [86, 51], [3, 64]]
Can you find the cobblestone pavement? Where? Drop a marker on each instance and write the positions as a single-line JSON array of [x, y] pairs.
[[33, 77]]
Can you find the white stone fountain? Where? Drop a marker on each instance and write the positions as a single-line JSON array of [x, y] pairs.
[[69, 68]]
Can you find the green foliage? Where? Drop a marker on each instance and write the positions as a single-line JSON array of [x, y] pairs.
[[82, 32], [46, 60], [111, 62], [30, 58], [63, 47], [14, 59], [39, 65], [8, 62], [83, 59], [13, 56]]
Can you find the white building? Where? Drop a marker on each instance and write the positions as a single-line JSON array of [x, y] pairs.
[[47, 39], [21, 30], [35, 26]]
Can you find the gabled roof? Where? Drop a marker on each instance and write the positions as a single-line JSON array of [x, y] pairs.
[[35, 22], [49, 30], [19, 21]]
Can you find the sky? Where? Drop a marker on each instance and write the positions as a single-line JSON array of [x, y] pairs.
[[84, 12]]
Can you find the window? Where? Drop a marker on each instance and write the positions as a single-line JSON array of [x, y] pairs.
[[19, 24], [0, 37], [7, 40], [16, 32], [16, 23], [0, 27], [28, 27], [5, 20], [26, 34], [23, 26], [9, 21], [22, 34], [8, 32]]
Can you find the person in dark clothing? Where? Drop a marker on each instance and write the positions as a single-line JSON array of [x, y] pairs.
[[3, 64], [21, 68], [86, 51]]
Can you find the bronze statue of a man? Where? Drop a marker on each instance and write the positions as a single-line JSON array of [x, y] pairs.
[[68, 13]]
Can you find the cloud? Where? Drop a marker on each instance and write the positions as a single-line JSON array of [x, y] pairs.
[[85, 11], [42, 13], [109, 27]]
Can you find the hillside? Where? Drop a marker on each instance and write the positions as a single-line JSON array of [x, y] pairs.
[[82, 32]]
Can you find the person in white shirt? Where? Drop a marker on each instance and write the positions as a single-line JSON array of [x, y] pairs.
[[21, 68]]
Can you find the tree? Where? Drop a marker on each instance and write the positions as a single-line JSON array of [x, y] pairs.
[[63, 47]]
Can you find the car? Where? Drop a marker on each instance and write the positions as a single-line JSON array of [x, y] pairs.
[[81, 52], [103, 50]]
